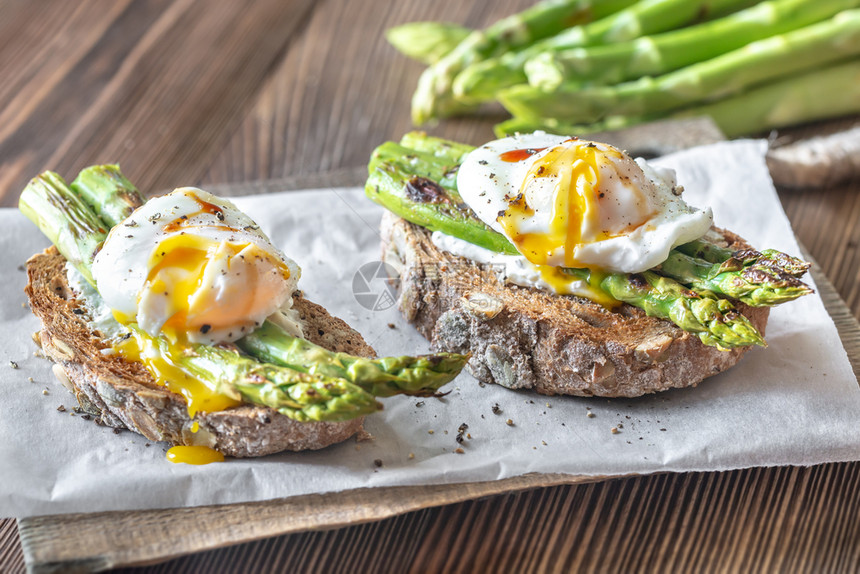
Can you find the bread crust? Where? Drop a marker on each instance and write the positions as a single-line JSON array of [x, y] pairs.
[[524, 338], [123, 394]]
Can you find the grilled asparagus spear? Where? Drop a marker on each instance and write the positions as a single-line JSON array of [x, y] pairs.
[[735, 260], [757, 284]]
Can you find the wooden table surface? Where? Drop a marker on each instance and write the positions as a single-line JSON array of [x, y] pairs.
[[193, 92]]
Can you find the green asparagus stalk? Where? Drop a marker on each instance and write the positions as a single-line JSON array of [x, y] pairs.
[[427, 42], [482, 81], [729, 260], [712, 319], [48, 202], [298, 395], [817, 95], [758, 285], [418, 376], [416, 186], [662, 53], [106, 190], [446, 151], [804, 49], [113, 197], [432, 98]]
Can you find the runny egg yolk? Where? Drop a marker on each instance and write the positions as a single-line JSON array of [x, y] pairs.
[[579, 200], [560, 282], [194, 455], [185, 281], [200, 396]]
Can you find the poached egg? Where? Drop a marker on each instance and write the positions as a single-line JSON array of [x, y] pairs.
[[565, 202], [192, 267]]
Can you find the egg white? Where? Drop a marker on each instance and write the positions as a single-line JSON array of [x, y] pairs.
[[634, 219]]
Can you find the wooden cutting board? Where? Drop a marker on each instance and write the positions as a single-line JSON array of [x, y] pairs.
[[98, 541]]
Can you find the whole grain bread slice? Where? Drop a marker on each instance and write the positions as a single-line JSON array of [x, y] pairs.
[[524, 338], [123, 394]]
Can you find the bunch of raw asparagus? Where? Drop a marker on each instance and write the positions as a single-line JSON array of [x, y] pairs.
[[693, 288], [577, 66], [296, 377]]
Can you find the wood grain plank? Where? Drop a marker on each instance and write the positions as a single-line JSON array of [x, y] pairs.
[[156, 90], [827, 222], [11, 556], [145, 536], [317, 114]]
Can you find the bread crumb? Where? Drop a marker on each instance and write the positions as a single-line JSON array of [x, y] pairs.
[[509, 422], [61, 408], [431, 431], [615, 430], [590, 414], [459, 450], [411, 455], [543, 442], [392, 326], [30, 379], [44, 391], [13, 364], [363, 436]]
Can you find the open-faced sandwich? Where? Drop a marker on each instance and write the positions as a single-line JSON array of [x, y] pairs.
[[177, 318], [567, 267]]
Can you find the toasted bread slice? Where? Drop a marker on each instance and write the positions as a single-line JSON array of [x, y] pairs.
[[123, 394], [524, 338]]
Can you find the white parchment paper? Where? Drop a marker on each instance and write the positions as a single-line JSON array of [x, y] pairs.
[[795, 403]]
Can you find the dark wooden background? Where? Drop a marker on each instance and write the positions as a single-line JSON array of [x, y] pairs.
[[199, 92]]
